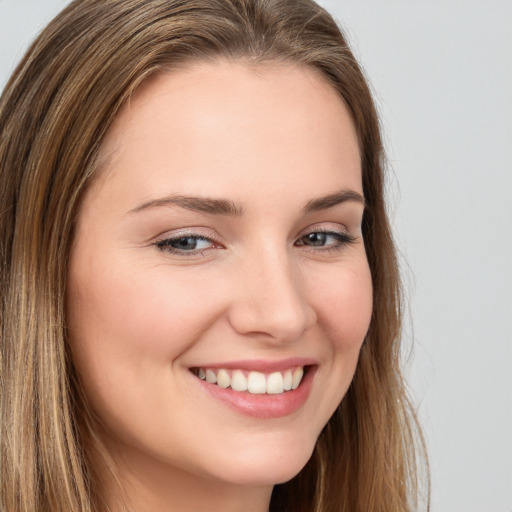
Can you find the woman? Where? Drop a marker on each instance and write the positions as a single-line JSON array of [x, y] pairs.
[[199, 287]]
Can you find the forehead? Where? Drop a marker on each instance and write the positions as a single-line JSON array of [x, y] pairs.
[[232, 119]]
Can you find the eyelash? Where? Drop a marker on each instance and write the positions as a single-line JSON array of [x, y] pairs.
[[166, 244], [343, 240]]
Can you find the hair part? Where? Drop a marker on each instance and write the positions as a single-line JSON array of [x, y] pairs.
[[54, 113]]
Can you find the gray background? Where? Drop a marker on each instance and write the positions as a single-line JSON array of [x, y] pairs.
[[442, 75]]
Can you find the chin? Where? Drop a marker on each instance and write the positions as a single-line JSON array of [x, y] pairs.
[[266, 466]]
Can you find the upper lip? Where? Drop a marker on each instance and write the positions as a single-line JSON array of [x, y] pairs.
[[260, 365]]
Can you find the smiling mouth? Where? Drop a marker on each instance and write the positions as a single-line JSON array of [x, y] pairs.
[[253, 382]]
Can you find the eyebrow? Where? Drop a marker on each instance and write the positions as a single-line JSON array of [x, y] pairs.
[[326, 202], [228, 207], [196, 204]]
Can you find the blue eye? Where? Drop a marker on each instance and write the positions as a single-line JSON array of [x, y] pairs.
[[193, 245], [185, 244], [325, 239]]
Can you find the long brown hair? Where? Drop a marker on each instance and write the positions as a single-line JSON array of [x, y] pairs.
[[54, 112]]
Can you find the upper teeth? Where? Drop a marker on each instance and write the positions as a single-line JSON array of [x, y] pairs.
[[253, 382]]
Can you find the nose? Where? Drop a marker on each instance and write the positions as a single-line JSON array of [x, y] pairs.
[[271, 302]]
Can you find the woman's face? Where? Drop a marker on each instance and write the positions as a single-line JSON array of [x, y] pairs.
[[221, 240]]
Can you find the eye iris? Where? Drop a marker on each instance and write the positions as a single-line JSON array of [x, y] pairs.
[[186, 243], [316, 239]]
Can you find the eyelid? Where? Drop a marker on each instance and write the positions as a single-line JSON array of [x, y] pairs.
[[193, 231], [326, 227]]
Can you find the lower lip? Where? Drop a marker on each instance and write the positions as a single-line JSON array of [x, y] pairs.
[[263, 406]]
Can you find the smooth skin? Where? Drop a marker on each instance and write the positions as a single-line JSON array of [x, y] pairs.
[[156, 288]]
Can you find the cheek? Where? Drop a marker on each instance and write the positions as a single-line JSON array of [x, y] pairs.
[[344, 306], [125, 325], [134, 310], [127, 331], [343, 300]]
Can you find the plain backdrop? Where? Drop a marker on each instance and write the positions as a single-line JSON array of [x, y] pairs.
[[442, 77]]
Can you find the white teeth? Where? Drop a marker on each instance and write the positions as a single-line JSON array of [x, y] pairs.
[[238, 381], [255, 382], [275, 383], [297, 377], [223, 379], [287, 380], [211, 377]]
